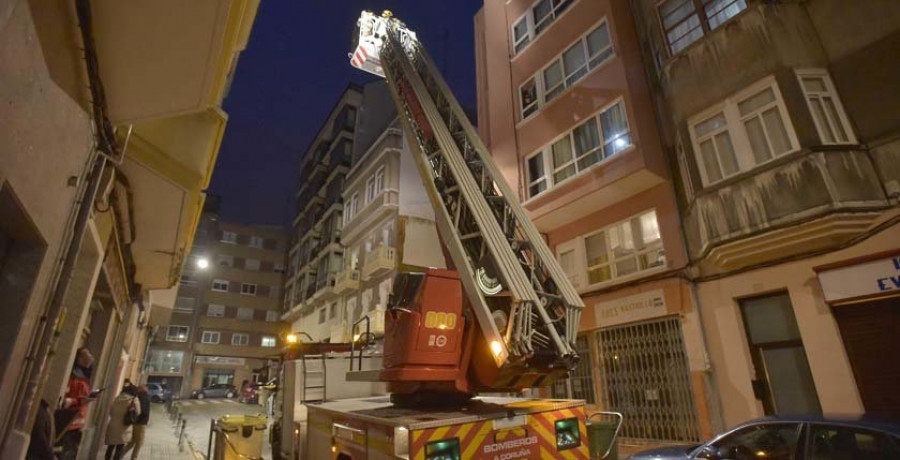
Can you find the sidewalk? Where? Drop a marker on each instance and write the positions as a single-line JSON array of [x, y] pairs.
[[160, 442]]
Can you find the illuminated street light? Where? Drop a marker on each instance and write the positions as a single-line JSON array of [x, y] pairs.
[[291, 338], [202, 263]]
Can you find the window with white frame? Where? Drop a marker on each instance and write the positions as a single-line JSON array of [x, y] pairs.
[[252, 264], [370, 189], [256, 241], [220, 285], [210, 337], [528, 98], [271, 316], [598, 138], [683, 24], [245, 313], [746, 130], [267, 341], [826, 108], [225, 260], [240, 340], [617, 251], [535, 21], [215, 310], [352, 208], [177, 333], [379, 180], [248, 289], [586, 54], [229, 237]]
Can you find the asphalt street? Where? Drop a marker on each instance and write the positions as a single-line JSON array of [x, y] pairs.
[[199, 412]]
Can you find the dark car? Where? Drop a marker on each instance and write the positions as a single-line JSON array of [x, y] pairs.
[[794, 438], [216, 390]]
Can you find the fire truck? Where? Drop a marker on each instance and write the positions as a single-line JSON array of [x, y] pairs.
[[502, 318]]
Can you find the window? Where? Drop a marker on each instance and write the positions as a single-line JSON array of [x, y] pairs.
[[225, 260], [187, 280], [620, 250], [256, 242], [332, 311], [210, 337], [322, 312], [352, 208], [215, 310], [379, 180], [370, 189], [528, 98], [585, 55], [245, 313], [776, 441], [600, 137], [252, 264], [184, 304], [219, 285], [177, 333], [240, 339], [165, 361], [271, 316], [248, 289], [268, 341], [229, 237], [827, 111], [682, 25], [840, 442], [746, 130], [535, 21]]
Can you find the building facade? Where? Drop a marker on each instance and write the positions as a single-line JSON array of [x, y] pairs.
[[104, 158], [316, 253], [226, 322], [565, 109], [783, 134]]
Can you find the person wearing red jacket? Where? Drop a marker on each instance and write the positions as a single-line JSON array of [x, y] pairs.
[[77, 399]]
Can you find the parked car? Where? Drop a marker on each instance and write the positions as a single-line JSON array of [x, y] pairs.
[[158, 393], [794, 438], [216, 390]]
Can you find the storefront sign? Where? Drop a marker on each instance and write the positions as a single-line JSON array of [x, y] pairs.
[[632, 308], [869, 279]]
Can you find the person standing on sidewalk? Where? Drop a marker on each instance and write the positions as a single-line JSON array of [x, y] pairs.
[[123, 413], [140, 426], [75, 405]]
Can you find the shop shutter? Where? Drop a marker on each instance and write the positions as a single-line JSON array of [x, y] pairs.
[[869, 331]]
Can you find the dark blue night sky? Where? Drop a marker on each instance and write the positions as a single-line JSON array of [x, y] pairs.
[[289, 77]]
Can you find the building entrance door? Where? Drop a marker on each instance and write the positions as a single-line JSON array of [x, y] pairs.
[[869, 329], [783, 380]]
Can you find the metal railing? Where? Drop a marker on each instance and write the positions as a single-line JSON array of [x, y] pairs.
[[363, 340]]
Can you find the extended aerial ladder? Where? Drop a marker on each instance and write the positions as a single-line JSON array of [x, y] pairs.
[[526, 309]]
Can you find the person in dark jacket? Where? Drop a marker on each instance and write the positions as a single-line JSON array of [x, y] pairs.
[[42, 433], [140, 426]]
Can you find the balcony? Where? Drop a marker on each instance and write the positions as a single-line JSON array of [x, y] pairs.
[[381, 260], [347, 280], [808, 202]]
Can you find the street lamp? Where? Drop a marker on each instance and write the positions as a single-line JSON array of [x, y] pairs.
[[202, 263]]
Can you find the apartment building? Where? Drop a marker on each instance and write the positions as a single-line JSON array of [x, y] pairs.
[[388, 221], [567, 113], [104, 158], [226, 323], [316, 253], [785, 136]]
